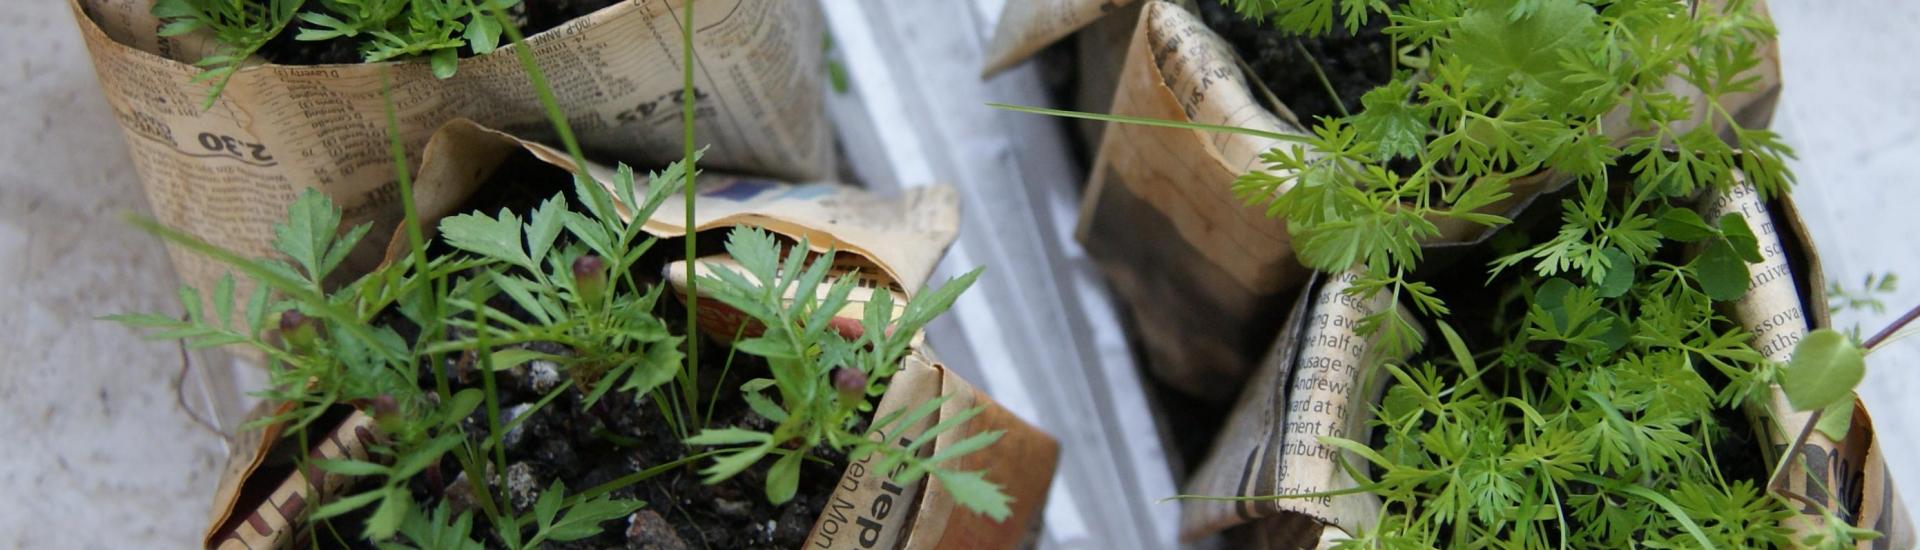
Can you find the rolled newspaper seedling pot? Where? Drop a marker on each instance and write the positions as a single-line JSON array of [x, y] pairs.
[[1181, 250], [256, 509], [1313, 383], [868, 509], [224, 174], [892, 243], [1026, 27], [1274, 426], [1785, 299]]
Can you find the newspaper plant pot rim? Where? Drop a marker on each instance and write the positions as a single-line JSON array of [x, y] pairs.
[[1177, 69], [89, 25], [929, 521]]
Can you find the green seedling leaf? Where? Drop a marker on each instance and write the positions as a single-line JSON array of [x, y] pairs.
[[355, 468], [1723, 276], [974, 491], [445, 62], [783, 480], [1836, 420], [1734, 227], [547, 507], [1526, 51], [728, 436], [1825, 368], [345, 504], [463, 403], [1389, 120], [308, 232], [1620, 272], [1684, 225], [393, 510], [513, 357]]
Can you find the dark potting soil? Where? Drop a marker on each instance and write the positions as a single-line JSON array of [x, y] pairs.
[[585, 447], [531, 16], [1354, 63]]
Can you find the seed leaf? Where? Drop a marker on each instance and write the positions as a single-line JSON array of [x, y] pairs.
[[1685, 225], [1723, 276], [1825, 368]]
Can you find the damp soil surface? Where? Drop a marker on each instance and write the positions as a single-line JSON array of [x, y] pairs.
[[1354, 62], [587, 446], [531, 16]]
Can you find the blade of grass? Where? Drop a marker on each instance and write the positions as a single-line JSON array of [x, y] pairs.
[[1156, 122]]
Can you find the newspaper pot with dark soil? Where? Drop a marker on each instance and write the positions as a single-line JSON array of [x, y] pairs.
[[231, 109], [1187, 207], [1647, 402], [529, 390]]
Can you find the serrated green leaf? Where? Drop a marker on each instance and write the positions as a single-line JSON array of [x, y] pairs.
[[547, 507], [544, 225], [731, 464], [1398, 129], [662, 362], [1825, 368], [963, 447], [764, 346], [759, 402], [973, 491], [488, 237], [311, 223], [1527, 50]]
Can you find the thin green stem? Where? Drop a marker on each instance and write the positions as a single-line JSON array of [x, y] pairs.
[[495, 434], [724, 369], [687, 190], [416, 238], [1322, 76]]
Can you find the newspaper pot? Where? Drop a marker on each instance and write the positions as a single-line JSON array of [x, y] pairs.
[[1310, 384], [260, 507], [1179, 248], [224, 174]]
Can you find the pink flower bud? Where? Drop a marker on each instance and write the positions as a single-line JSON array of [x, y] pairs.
[[298, 330], [851, 383], [590, 278]]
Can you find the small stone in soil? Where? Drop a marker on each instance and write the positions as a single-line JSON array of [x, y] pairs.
[[733, 508], [521, 486], [556, 452], [646, 530], [543, 376], [518, 434], [459, 494]]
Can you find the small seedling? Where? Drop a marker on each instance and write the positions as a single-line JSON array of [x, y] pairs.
[[435, 30]]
